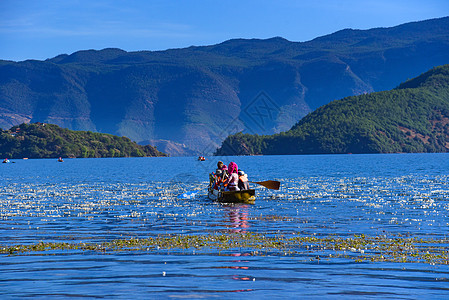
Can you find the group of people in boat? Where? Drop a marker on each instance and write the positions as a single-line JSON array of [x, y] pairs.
[[229, 178], [6, 161]]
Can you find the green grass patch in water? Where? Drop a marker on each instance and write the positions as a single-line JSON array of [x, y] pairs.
[[359, 248]]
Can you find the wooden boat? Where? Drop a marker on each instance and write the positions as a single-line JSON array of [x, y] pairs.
[[245, 196]]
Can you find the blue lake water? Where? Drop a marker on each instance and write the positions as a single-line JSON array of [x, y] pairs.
[[101, 200]]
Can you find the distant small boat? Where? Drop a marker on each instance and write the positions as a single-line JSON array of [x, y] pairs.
[[244, 196], [60, 159], [201, 158], [5, 161]]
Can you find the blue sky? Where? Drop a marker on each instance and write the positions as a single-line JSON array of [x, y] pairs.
[[31, 29]]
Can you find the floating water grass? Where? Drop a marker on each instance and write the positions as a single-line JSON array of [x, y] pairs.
[[359, 248]]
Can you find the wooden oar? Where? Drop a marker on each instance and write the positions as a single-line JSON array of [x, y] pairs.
[[269, 184]]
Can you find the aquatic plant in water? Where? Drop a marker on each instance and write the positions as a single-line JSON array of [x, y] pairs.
[[359, 248]]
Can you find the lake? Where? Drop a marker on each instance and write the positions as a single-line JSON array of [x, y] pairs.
[[341, 226]]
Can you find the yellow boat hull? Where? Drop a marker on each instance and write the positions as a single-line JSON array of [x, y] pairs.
[[245, 196]]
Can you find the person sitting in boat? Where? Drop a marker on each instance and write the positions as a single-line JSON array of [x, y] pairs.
[[219, 176], [232, 181], [222, 170], [221, 166], [217, 179], [243, 180], [6, 161]]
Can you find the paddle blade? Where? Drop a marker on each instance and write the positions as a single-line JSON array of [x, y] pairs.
[[269, 184]]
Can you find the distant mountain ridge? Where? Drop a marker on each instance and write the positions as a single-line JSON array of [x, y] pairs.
[[191, 99], [414, 117]]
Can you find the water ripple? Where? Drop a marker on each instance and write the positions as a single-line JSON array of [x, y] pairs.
[[336, 196]]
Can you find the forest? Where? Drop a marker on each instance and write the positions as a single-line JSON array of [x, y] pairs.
[[41, 140], [414, 117]]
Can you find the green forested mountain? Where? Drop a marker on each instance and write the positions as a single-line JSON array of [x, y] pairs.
[[48, 141], [189, 100], [414, 117]]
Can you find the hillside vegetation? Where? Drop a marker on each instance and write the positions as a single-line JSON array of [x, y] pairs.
[[414, 117], [48, 141]]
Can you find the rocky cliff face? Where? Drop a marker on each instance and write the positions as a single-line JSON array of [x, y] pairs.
[[191, 99]]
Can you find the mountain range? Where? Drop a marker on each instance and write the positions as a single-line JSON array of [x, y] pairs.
[[414, 117], [187, 101]]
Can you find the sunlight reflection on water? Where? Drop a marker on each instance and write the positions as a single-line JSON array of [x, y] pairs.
[[106, 199]]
